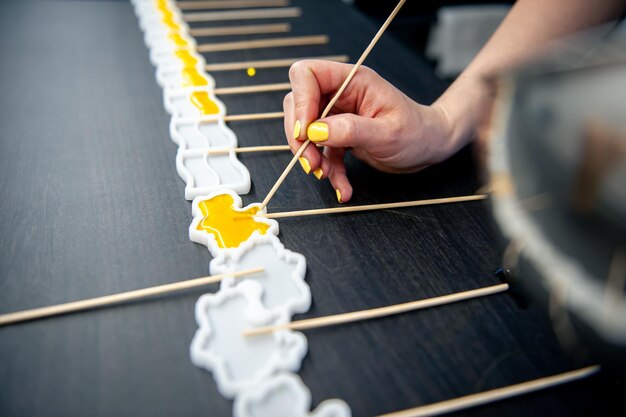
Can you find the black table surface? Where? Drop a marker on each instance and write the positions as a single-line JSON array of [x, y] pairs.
[[91, 204]]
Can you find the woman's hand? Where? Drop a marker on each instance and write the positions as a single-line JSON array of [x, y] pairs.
[[374, 120]]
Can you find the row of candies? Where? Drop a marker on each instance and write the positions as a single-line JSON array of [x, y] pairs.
[[257, 372]]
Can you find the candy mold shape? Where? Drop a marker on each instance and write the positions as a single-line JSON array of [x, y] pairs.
[[154, 35], [195, 135], [208, 239], [144, 8], [285, 395], [151, 18], [201, 134], [159, 35], [163, 53], [285, 291], [177, 102], [165, 56], [238, 362], [151, 21], [170, 77], [204, 173]]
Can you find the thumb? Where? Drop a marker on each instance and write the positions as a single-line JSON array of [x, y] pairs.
[[345, 131]]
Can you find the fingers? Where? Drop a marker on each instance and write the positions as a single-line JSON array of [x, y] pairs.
[[311, 159], [337, 175], [317, 163], [311, 81], [348, 130]]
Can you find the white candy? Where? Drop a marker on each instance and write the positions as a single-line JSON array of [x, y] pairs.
[[236, 361], [285, 292], [284, 395]]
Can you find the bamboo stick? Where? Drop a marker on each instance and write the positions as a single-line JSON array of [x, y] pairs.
[[243, 14], [229, 4], [253, 116], [246, 89], [498, 394], [264, 43], [369, 207], [214, 118], [269, 63], [248, 149], [108, 300], [379, 312], [241, 30]]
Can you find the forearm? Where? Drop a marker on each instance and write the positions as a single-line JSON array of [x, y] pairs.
[[529, 27]]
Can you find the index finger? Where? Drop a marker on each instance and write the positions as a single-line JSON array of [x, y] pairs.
[[310, 81]]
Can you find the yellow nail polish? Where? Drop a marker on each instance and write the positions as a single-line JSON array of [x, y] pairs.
[[318, 173], [338, 195], [317, 132], [296, 130], [305, 164]]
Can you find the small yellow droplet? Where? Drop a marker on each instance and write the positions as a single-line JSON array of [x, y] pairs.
[[251, 72]]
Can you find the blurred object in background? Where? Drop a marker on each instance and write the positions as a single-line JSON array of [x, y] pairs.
[[557, 162], [459, 34], [419, 21]]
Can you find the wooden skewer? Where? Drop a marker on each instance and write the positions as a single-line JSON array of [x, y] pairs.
[[332, 101], [245, 89], [241, 30], [284, 12], [247, 149], [269, 63], [254, 116], [229, 4], [108, 300], [378, 312], [264, 43], [214, 118], [494, 395], [369, 207]]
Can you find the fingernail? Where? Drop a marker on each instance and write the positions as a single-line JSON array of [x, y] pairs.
[[317, 132], [318, 173], [305, 164], [296, 130], [338, 195]]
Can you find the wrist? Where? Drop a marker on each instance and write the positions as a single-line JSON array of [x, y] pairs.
[[465, 107]]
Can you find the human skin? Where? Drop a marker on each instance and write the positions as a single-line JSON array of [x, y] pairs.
[[386, 129]]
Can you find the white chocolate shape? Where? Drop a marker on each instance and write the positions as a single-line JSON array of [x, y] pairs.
[[151, 22], [238, 362], [164, 56], [163, 53], [194, 134], [177, 102], [208, 239], [204, 173], [171, 78], [144, 7], [285, 395], [150, 18], [285, 292], [159, 35]]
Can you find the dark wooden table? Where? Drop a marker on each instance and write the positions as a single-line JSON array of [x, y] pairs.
[[91, 204]]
